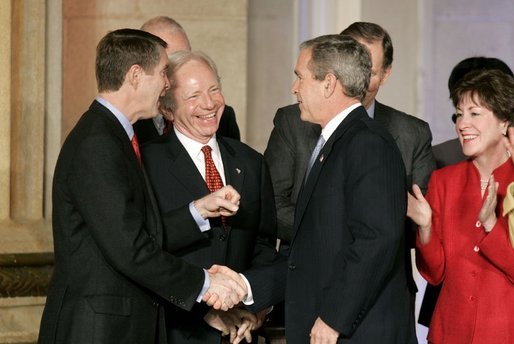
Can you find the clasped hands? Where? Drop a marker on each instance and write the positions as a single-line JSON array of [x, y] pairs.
[[226, 290]]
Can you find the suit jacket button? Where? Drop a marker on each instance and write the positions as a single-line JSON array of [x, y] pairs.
[[292, 266], [155, 304], [222, 237]]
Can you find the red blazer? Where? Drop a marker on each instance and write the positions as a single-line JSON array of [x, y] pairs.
[[476, 304]]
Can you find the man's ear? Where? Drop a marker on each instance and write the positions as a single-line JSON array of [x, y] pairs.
[[329, 84], [385, 75], [133, 76], [167, 113]]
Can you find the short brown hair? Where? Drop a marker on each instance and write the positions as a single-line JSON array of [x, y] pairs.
[[371, 32], [121, 49], [494, 90]]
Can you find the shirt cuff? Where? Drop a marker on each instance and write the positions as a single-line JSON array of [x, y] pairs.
[[202, 223], [248, 300], [206, 284]]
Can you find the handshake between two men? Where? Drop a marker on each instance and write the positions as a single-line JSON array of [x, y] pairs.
[[228, 288]]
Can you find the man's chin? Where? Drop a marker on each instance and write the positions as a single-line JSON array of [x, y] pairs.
[[303, 116]]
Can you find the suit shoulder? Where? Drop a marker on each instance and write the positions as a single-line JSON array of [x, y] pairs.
[[159, 141], [400, 116], [452, 171], [229, 111], [288, 113], [240, 148], [450, 175]]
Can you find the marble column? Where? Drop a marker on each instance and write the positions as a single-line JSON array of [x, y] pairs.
[[26, 247]]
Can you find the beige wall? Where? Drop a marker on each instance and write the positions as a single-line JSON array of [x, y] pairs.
[[400, 19], [218, 28]]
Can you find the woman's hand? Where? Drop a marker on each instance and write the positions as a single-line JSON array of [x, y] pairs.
[[487, 214], [420, 212]]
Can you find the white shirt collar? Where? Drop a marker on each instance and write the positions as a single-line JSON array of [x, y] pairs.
[[332, 125], [194, 149]]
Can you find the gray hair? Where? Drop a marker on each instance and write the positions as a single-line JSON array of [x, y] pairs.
[[344, 57], [177, 60]]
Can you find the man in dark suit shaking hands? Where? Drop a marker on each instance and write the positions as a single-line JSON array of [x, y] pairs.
[[111, 273], [346, 277], [189, 162]]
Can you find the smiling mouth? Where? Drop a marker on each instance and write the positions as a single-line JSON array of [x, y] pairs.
[[467, 138], [207, 117]]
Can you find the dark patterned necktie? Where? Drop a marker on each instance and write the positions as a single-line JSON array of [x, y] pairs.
[[135, 145], [212, 176]]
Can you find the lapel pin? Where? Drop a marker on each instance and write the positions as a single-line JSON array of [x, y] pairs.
[[321, 158], [238, 171]]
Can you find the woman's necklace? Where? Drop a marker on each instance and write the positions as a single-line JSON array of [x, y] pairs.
[[483, 184]]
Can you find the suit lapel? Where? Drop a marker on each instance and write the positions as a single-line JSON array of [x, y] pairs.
[[234, 171], [324, 155], [183, 169]]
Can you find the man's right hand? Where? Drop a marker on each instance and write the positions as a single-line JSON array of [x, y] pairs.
[[226, 289], [224, 202]]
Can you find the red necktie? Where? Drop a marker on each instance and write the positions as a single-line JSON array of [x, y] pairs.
[[167, 126], [212, 176], [135, 145]]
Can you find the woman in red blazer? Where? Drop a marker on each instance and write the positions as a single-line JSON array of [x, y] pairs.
[[462, 239]]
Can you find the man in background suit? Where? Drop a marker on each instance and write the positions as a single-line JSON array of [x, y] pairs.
[[450, 152], [111, 274], [346, 279], [176, 164], [174, 35]]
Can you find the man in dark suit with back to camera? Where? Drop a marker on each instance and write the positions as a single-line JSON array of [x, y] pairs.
[[183, 164], [346, 279], [292, 140], [174, 35], [112, 274]]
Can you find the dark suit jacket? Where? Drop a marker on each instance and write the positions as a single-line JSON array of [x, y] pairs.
[[289, 148], [111, 275], [146, 131], [248, 247], [292, 142], [347, 259], [413, 137]]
